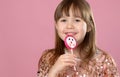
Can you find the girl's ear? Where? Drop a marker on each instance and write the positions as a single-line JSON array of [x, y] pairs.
[[88, 28]]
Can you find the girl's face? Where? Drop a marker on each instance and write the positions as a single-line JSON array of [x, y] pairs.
[[71, 25]]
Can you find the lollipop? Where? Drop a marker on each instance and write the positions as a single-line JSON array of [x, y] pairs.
[[70, 42]]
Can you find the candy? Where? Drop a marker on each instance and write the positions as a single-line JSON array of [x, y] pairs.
[[70, 42]]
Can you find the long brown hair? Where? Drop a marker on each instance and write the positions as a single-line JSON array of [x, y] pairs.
[[88, 46]]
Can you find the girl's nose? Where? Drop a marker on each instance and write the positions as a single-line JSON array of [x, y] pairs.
[[70, 25]]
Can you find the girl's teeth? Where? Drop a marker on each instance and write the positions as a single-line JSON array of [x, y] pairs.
[[70, 33]]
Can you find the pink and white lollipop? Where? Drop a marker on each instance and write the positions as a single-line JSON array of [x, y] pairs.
[[70, 42]]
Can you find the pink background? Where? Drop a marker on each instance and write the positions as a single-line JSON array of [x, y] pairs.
[[27, 29]]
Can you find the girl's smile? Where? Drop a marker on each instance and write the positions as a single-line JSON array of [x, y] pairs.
[[71, 33]]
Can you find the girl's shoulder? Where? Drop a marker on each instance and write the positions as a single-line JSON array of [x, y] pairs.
[[102, 56], [45, 57], [104, 61], [46, 54], [44, 62]]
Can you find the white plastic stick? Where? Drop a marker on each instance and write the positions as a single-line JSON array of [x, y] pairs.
[[72, 54]]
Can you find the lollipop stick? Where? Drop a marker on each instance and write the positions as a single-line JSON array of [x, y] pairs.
[[72, 54], [72, 51]]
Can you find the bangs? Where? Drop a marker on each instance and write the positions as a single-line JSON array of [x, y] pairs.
[[65, 10], [75, 11]]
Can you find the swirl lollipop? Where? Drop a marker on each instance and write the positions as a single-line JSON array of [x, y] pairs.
[[70, 42]]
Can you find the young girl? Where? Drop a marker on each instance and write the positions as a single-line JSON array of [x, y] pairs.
[[74, 17]]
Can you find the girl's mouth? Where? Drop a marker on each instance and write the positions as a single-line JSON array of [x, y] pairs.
[[70, 33]]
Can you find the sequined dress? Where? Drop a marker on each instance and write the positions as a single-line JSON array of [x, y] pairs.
[[101, 65]]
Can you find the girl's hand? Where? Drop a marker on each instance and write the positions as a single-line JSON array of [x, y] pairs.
[[62, 62]]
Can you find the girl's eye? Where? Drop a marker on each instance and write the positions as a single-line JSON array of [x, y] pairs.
[[63, 20], [77, 20]]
